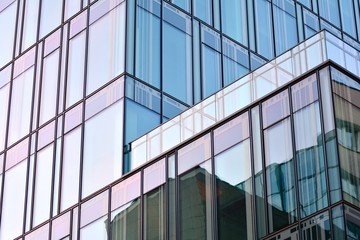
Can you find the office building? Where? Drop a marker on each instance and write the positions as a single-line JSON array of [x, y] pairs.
[[182, 119]]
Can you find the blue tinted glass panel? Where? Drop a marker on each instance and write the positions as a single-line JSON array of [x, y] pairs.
[[147, 66], [280, 175], [329, 9], [263, 24], [211, 71], [234, 20], [285, 25], [177, 73], [348, 17], [184, 4], [203, 10], [138, 120]]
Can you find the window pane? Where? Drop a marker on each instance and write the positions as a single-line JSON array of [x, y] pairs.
[[71, 7], [30, 23], [285, 25], [233, 180], [51, 11], [70, 169], [263, 24], [43, 179], [329, 10], [106, 46], [317, 227], [4, 99], [76, 62], [7, 27], [310, 160], [154, 219], [234, 20], [21, 98], [103, 149], [184, 4], [148, 43], [49, 87], [275, 108], [348, 17], [13, 202], [280, 175], [211, 71], [195, 211], [203, 10], [177, 54], [125, 221]]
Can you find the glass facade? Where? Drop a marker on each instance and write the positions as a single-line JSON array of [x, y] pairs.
[[169, 119]]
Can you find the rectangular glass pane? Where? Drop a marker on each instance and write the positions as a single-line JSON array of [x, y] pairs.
[[234, 20], [233, 180], [103, 148], [203, 10], [177, 73], [70, 169], [154, 214], [154, 175], [147, 47], [195, 211], [43, 179], [13, 202], [275, 108], [20, 110], [7, 26], [30, 23], [4, 99], [106, 45], [49, 87], [263, 24], [75, 75], [280, 175], [329, 9], [51, 12]]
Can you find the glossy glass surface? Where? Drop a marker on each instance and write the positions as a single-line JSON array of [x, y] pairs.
[[70, 169], [4, 99], [106, 45], [7, 26], [234, 182], [203, 10], [317, 227], [284, 25], [234, 20], [147, 45], [211, 71], [102, 152], [43, 179], [125, 221], [195, 211], [171, 198], [329, 9], [13, 202], [49, 87], [51, 12], [30, 27], [154, 214], [75, 75], [280, 175], [177, 69], [20, 110], [263, 25]]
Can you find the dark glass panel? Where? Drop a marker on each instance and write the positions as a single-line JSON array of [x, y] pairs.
[[154, 214]]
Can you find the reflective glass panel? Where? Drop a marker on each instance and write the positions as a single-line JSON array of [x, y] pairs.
[[310, 160], [147, 66], [51, 12], [348, 17], [154, 214], [329, 9], [234, 182], [4, 99], [30, 23], [211, 71], [20, 110], [234, 20], [317, 227], [7, 26], [70, 169], [203, 10], [13, 202], [280, 175], [263, 24], [195, 211], [49, 87], [177, 73], [103, 148], [76, 62], [43, 179], [106, 45]]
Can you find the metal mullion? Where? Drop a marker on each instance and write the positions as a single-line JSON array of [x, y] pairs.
[[293, 143], [177, 199], [17, 23], [22, 28], [265, 201], [63, 124], [142, 207], [273, 37], [252, 159], [71, 224], [213, 187], [166, 198], [109, 213]]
